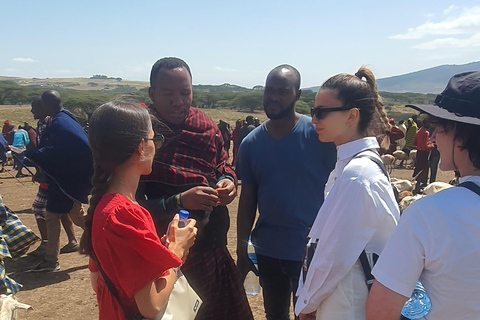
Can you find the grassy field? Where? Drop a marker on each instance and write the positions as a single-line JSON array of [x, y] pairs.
[[20, 114]]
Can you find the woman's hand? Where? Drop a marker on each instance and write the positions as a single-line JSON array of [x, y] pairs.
[[181, 239]]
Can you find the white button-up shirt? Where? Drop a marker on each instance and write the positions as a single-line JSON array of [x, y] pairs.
[[360, 212]]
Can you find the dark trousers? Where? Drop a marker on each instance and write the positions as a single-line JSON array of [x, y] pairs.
[[433, 162], [279, 279]]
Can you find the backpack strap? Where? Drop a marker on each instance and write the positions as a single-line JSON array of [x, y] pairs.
[[472, 186], [112, 289], [367, 267], [368, 261]]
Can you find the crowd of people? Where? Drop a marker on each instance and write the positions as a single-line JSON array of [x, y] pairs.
[[316, 199]]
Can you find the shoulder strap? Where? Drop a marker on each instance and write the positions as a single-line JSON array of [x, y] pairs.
[[367, 267], [367, 264], [374, 159], [111, 287], [472, 186]]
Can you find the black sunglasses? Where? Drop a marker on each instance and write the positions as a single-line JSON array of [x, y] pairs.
[[320, 112], [158, 140]]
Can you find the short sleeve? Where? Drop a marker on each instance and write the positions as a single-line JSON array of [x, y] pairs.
[[242, 165], [402, 261], [92, 265], [137, 254]]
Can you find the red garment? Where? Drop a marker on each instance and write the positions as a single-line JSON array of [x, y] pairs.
[[422, 140], [129, 251], [193, 153]]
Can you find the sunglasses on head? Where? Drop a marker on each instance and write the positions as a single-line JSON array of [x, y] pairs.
[[321, 112], [158, 140]]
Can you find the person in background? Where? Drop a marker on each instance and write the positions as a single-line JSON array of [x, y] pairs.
[[192, 172], [236, 139], [437, 239], [284, 169], [247, 127], [360, 211], [120, 236], [18, 147], [423, 145], [65, 158], [3, 152], [224, 128], [433, 160], [401, 142], [39, 206]]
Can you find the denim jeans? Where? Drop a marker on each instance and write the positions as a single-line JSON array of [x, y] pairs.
[[279, 279]]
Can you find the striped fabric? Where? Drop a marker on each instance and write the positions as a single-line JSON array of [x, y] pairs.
[[15, 240]]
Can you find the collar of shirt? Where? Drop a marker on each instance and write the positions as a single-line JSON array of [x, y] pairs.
[[349, 149]]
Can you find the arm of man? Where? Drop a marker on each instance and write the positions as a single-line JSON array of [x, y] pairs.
[[383, 303], [247, 209]]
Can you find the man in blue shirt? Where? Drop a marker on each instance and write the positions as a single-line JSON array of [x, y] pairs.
[[284, 168]]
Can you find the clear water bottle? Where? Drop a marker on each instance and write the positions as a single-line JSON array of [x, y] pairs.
[[418, 305], [182, 222], [252, 283], [184, 214]]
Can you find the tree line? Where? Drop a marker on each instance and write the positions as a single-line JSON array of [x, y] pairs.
[[83, 103]]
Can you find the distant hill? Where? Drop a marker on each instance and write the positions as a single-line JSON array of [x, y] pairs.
[[432, 80]]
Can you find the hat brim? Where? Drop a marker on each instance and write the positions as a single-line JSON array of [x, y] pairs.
[[438, 112]]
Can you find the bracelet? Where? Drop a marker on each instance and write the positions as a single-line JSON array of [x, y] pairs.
[[178, 201]]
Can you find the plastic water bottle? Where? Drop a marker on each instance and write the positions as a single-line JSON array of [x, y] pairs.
[[182, 222], [252, 283], [418, 305], [184, 214]]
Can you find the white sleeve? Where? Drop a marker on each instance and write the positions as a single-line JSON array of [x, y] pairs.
[[402, 261], [345, 223]]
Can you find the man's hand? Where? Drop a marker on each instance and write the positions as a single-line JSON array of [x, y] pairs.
[[226, 191], [200, 198], [244, 265]]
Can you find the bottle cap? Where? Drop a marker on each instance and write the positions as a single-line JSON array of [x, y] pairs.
[[183, 214]]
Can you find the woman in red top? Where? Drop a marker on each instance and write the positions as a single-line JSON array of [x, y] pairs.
[[119, 232]]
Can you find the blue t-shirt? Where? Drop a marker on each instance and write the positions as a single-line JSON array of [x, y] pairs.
[[290, 175]]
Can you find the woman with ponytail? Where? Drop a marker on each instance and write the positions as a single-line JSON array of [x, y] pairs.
[[360, 211], [119, 235]]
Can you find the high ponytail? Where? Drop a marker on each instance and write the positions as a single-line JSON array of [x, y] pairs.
[[353, 91]]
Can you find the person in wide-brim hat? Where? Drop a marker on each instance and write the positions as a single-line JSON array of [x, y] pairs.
[[437, 239]]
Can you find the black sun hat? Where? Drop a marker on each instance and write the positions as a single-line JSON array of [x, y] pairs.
[[460, 101]]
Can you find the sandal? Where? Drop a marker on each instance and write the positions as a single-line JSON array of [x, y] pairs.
[[70, 247]]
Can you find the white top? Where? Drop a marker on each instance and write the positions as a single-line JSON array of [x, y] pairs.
[[438, 242], [360, 212]]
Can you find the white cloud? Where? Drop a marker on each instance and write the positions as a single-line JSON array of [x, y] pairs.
[[466, 22], [473, 41], [225, 69], [23, 60], [450, 9], [10, 70]]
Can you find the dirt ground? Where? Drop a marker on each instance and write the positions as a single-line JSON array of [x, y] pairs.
[[67, 294]]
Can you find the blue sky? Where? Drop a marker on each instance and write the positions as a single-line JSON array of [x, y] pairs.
[[235, 42]]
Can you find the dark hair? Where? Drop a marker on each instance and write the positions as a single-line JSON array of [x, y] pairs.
[[468, 134], [167, 63], [352, 91], [115, 131], [295, 72]]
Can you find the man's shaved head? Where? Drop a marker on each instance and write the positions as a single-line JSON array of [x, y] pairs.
[[285, 69], [52, 102]]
